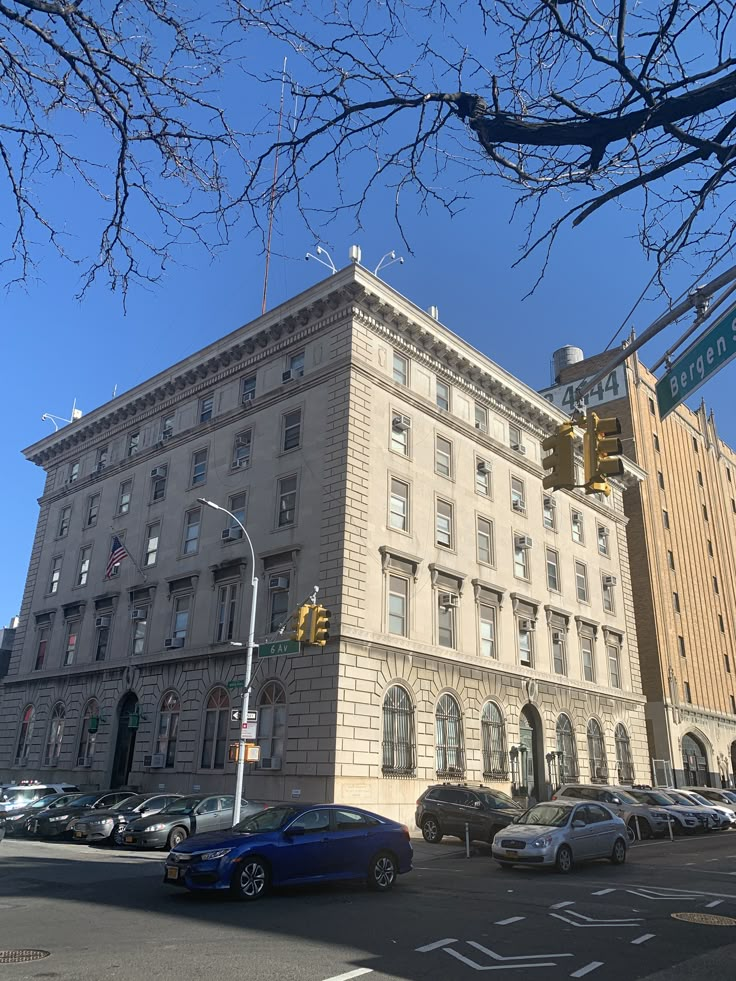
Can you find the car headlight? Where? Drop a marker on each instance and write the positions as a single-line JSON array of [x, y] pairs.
[[544, 842], [213, 856], [63, 817], [657, 812], [156, 827]]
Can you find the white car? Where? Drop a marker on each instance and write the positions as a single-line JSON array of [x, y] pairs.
[[723, 816], [687, 816], [20, 795]]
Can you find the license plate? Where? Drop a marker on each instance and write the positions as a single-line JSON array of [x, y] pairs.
[[172, 873], [129, 839], [80, 834], [511, 854]]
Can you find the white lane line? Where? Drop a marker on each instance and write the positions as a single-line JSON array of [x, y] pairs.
[[643, 938], [716, 902], [496, 967], [715, 872], [511, 919], [357, 973], [427, 947], [587, 969], [602, 892], [568, 902]]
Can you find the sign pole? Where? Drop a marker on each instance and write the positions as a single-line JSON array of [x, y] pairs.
[[240, 773]]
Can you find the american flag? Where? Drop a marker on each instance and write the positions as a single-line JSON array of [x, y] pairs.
[[117, 554]]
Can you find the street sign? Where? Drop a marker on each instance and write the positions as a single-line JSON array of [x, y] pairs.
[[235, 715], [609, 389], [279, 647], [248, 730], [252, 716], [235, 684], [713, 349]]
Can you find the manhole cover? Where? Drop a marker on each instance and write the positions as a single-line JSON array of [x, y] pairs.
[[707, 919], [20, 956]]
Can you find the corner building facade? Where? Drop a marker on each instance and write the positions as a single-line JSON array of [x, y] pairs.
[[481, 629]]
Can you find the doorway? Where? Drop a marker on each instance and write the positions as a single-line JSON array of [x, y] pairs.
[[531, 753], [128, 715], [694, 762]]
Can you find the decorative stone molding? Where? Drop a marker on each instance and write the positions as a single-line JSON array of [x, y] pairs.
[[479, 585], [436, 571], [583, 622], [387, 551]]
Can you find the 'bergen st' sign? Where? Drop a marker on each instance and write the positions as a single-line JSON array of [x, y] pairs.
[[714, 349]]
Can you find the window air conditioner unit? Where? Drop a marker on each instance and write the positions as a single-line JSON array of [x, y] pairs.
[[270, 763], [549, 502], [448, 599], [172, 642], [242, 440], [603, 532], [525, 624], [519, 506], [138, 614], [103, 622], [166, 434], [158, 472], [556, 636], [519, 447], [231, 534], [287, 376], [278, 582], [99, 468], [83, 761], [482, 426], [523, 541], [115, 571], [609, 580], [482, 467], [247, 397], [401, 423], [157, 761]]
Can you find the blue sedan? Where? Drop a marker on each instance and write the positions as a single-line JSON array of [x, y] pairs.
[[288, 845]]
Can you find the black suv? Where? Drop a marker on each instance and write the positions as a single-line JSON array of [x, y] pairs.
[[445, 809]]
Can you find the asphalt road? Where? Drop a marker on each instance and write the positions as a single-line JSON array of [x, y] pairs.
[[106, 915]]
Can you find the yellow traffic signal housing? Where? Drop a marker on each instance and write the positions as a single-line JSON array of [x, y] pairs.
[[601, 453], [561, 459], [319, 631], [299, 624]]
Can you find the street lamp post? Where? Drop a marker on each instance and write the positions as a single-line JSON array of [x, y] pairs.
[[240, 770]]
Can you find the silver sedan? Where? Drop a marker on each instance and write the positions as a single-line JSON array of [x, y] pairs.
[[561, 833]]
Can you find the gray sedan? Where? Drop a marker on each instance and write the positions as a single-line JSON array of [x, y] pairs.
[[561, 833]]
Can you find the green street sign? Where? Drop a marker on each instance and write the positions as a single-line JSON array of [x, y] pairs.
[[279, 647], [714, 349], [235, 684]]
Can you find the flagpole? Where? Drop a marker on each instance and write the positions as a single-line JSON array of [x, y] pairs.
[[140, 571]]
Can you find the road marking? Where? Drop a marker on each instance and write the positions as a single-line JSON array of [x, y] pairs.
[[716, 902], [511, 919], [628, 921], [715, 872], [602, 892], [643, 938], [568, 902], [428, 947], [587, 969], [496, 967], [357, 973], [511, 957]]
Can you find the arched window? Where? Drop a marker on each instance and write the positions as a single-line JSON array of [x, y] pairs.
[[88, 734], [493, 738], [398, 732], [168, 728], [694, 762], [597, 753], [624, 763], [25, 735], [450, 748], [54, 736], [216, 720], [272, 725], [568, 765]]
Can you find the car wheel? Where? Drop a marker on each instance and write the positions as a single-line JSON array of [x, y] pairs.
[[431, 830], [176, 837], [251, 879], [618, 855], [631, 833], [563, 862], [382, 872], [117, 836], [505, 866]]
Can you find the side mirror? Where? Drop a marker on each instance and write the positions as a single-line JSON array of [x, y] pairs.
[[615, 800], [578, 823]]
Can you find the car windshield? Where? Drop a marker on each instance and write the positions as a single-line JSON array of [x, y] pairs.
[[686, 799], [624, 797], [128, 804], [184, 806], [549, 815], [44, 801], [729, 795], [654, 798], [271, 819], [497, 799], [18, 796], [86, 800]]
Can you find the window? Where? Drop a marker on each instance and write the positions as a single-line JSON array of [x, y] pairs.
[[666, 518], [168, 728], [518, 499], [296, 364], [525, 634], [733, 505], [42, 641], [74, 472], [705, 513], [398, 604], [603, 540], [134, 441], [700, 477], [152, 535], [444, 534], [124, 494], [568, 753], [55, 574], [728, 474], [206, 408], [400, 429], [278, 598], [242, 449], [559, 652], [85, 555], [443, 456], [681, 645], [70, 650], [553, 570], [484, 540], [216, 720], [609, 604], [167, 427], [586, 653], [449, 742], [237, 506], [88, 733], [660, 479], [287, 487], [651, 406], [25, 736], [676, 602], [248, 389], [442, 395], [710, 548], [158, 482], [577, 527], [102, 454], [521, 557], [624, 762], [493, 741], [291, 425], [446, 607], [401, 369], [695, 445], [715, 585], [688, 695], [398, 732], [103, 638], [140, 629], [671, 560], [180, 617], [597, 753], [549, 512], [54, 736], [733, 704], [655, 438], [93, 509], [272, 723], [482, 478], [65, 517], [581, 582], [199, 467], [481, 418], [192, 524], [614, 665], [487, 624], [514, 437], [227, 605], [721, 624]]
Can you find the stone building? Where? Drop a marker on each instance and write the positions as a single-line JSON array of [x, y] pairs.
[[481, 629], [682, 530]]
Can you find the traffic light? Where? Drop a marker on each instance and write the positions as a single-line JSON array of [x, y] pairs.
[[319, 628], [299, 624], [601, 453], [561, 459]]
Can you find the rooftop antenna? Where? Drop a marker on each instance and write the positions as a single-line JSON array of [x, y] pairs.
[[392, 257], [320, 251], [272, 199], [75, 414]]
